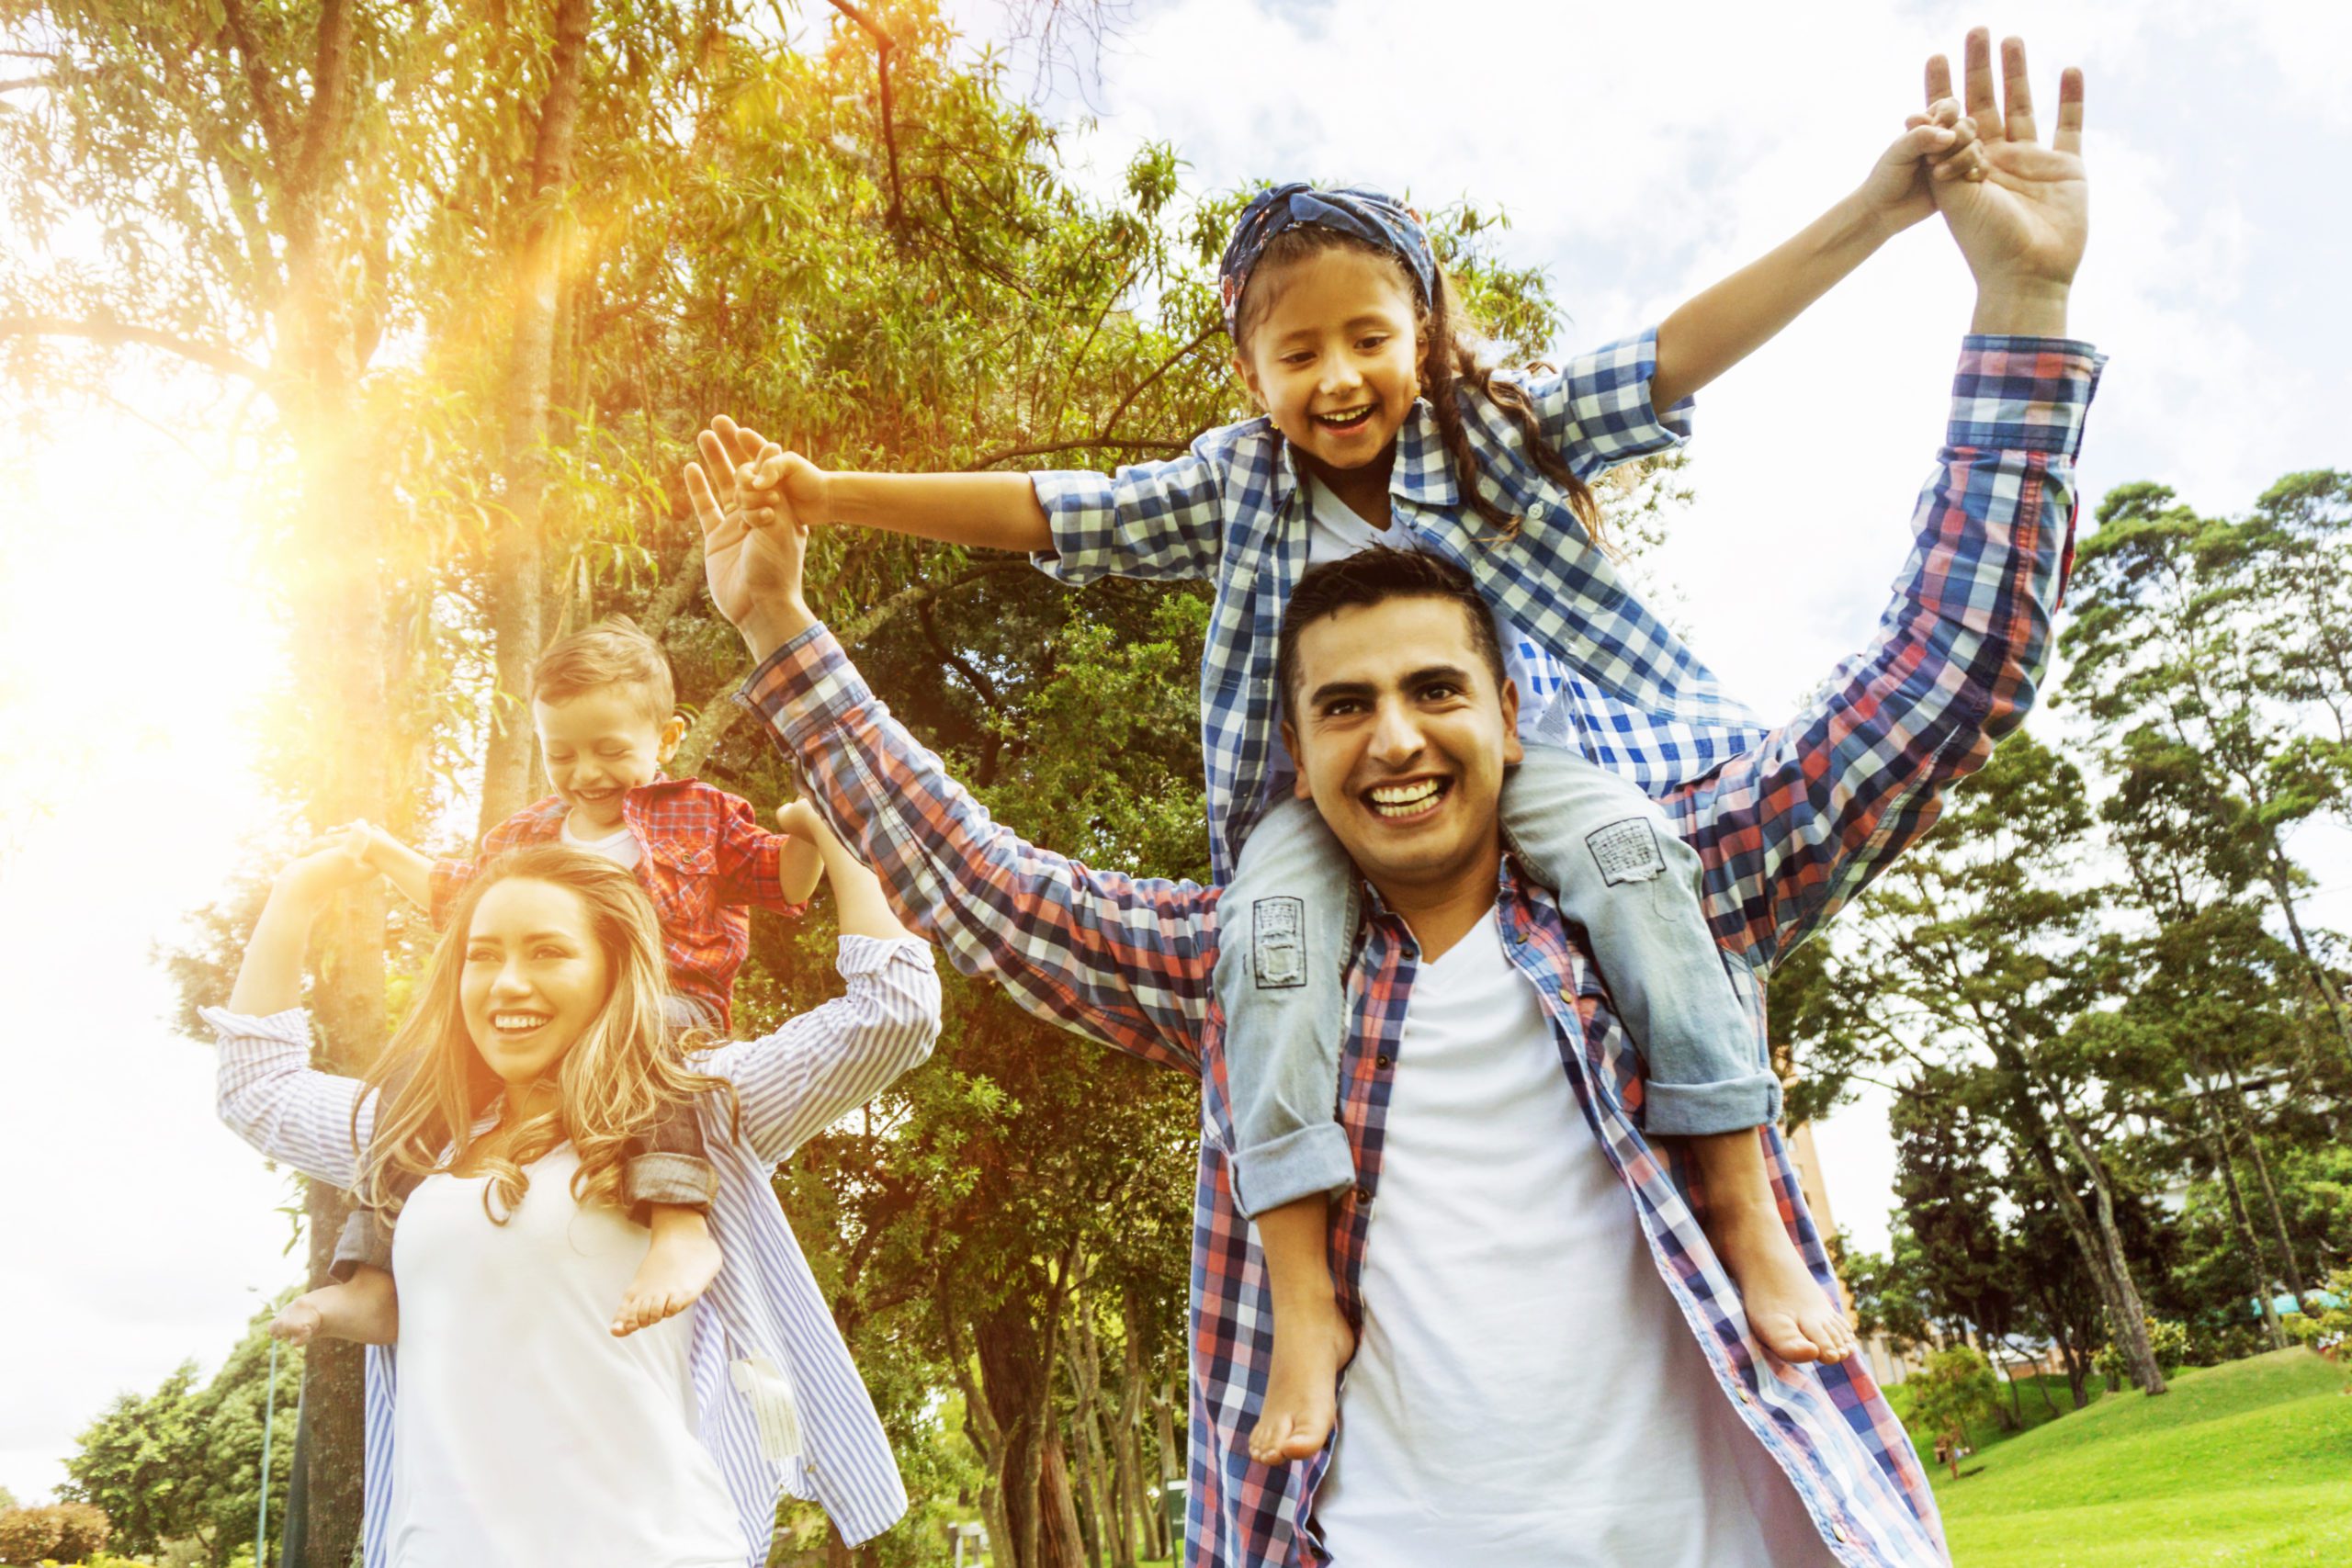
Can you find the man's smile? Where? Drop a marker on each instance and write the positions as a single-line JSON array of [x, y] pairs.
[[1408, 800]]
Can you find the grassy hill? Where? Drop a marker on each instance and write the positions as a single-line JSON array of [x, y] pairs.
[[2248, 1464]]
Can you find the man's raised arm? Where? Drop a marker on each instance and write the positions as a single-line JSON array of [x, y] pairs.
[[1122, 960], [1791, 829]]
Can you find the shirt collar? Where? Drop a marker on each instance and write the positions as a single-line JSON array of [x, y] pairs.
[[1422, 473]]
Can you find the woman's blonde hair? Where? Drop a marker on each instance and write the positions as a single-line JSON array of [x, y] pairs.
[[625, 1072]]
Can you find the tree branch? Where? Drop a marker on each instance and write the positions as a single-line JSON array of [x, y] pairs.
[[885, 47], [1086, 443], [106, 330]]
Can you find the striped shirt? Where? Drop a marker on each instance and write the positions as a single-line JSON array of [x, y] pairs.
[[818, 1067], [1788, 829], [1609, 676]]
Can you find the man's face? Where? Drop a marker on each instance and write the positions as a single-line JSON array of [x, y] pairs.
[[1401, 734], [1334, 358], [600, 745]]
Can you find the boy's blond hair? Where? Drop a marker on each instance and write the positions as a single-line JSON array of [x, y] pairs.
[[611, 653]]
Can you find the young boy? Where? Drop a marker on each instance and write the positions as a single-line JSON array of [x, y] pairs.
[[603, 703]]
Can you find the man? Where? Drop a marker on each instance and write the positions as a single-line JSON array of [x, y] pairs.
[[1552, 1366]]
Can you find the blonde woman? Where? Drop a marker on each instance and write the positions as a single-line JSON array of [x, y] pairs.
[[514, 1427]]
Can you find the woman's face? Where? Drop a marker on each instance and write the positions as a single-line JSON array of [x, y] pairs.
[[1333, 357], [534, 976]]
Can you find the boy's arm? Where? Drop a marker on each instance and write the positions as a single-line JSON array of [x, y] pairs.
[[1723, 324], [762, 870], [827, 1061], [403, 867]]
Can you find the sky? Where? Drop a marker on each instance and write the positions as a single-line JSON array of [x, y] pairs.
[[1641, 151]]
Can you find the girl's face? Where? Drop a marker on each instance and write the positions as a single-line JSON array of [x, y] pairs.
[[533, 977], [1333, 358]]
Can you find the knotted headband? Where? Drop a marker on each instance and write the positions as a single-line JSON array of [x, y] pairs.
[[1369, 215]]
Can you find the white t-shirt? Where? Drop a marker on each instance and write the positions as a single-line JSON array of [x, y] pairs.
[[1334, 532], [621, 847], [1526, 1394], [522, 1430]]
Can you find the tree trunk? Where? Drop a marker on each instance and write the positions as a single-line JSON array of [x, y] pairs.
[[1015, 1371], [2282, 890], [1060, 1545], [1085, 1355], [1172, 1468], [1124, 1448], [2217, 1149], [2127, 1321], [2246, 1129], [518, 585]]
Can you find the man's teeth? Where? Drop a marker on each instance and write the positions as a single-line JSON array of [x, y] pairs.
[[518, 1019], [1404, 800]]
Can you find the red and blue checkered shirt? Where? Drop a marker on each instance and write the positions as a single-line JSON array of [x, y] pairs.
[[1788, 829], [706, 862]]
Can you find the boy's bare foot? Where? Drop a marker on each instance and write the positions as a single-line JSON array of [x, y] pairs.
[[678, 1267], [1788, 1311], [365, 1309], [1312, 1342]]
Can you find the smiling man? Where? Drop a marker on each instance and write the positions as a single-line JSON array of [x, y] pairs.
[[1552, 1366]]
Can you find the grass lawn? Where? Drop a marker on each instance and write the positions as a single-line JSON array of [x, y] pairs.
[[2249, 1463]]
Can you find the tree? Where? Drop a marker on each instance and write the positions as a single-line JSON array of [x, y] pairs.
[[1955, 1387], [185, 1463], [2189, 660], [1965, 958]]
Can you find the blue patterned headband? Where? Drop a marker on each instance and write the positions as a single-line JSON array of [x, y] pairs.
[[1369, 215]]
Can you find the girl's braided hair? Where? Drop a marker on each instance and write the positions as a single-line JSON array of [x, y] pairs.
[[1454, 356]]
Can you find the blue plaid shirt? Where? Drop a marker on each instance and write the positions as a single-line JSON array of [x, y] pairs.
[[1787, 831], [1233, 510]]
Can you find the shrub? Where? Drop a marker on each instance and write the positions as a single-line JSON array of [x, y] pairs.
[[28, 1535], [84, 1531]]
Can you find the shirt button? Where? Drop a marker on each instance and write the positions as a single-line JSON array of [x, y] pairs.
[[1381, 1061], [1363, 1195]]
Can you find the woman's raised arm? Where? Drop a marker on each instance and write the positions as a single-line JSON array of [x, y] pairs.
[[270, 1094]]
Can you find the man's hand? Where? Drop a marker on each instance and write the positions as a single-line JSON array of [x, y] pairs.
[[2023, 228], [753, 546]]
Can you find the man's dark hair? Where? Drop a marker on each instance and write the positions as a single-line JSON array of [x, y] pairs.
[[1371, 577]]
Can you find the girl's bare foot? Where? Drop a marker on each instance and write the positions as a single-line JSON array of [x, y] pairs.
[[365, 1309], [1312, 1342], [678, 1267], [1788, 1311]]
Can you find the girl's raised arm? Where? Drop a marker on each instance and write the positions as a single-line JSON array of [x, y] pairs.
[[270, 1094]]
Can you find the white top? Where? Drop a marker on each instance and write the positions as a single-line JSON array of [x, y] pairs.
[[1334, 531], [524, 1432], [619, 847], [1526, 1395]]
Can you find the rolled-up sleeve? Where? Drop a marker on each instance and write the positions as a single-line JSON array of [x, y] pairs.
[[270, 1096], [825, 1063], [1162, 521], [1596, 411]]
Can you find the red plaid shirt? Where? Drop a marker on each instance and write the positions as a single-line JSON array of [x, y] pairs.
[[706, 862]]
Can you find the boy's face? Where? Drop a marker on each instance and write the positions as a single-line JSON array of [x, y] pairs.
[[1402, 736], [600, 745], [1333, 360]]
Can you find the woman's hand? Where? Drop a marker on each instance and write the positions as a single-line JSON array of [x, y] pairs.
[[328, 865]]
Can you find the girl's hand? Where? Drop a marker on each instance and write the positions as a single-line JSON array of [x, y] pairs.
[[2023, 226], [1940, 144], [785, 479]]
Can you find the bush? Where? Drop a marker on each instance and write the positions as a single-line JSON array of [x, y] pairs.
[[28, 1535], [2169, 1340]]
